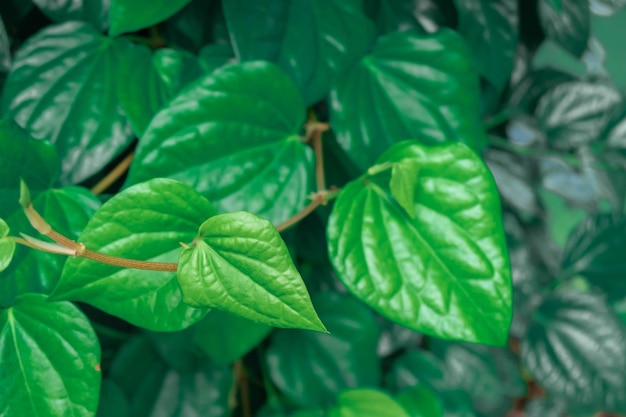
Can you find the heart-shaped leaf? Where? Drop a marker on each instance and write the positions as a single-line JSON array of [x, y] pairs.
[[50, 360], [445, 271], [240, 264], [145, 222]]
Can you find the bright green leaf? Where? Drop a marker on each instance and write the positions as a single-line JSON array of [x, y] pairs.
[[491, 31], [95, 12], [62, 88], [238, 145], [380, 101], [240, 264], [364, 402], [420, 401], [444, 273], [145, 222], [7, 246], [403, 183], [50, 360], [131, 15], [575, 348], [344, 358], [569, 26], [237, 336]]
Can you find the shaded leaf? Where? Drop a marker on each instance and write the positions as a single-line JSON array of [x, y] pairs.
[[569, 26], [131, 15], [113, 402], [95, 12], [5, 49]]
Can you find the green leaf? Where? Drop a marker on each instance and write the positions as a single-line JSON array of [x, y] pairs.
[[237, 336], [420, 401], [444, 273], [67, 210], [214, 56], [336, 35], [131, 15], [144, 222], [380, 101], [596, 250], [570, 26], [364, 402], [95, 12], [155, 389], [575, 348], [7, 246], [403, 184], [199, 23], [62, 88], [50, 360], [5, 49], [491, 31], [238, 145], [526, 93], [513, 175], [35, 161], [575, 113], [344, 358], [113, 402], [240, 264]]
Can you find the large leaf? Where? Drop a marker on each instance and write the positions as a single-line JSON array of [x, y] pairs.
[[238, 143], [576, 348], [36, 162], [596, 250], [154, 389], [145, 222], [444, 272], [131, 15], [575, 113], [569, 26], [312, 41], [95, 12], [50, 360], [490, 29], [311, 368], [62, 88], [67, 210], [381, 101], [364, 402], [240, 264]]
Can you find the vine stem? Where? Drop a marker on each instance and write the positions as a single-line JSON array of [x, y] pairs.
[[112, 176]]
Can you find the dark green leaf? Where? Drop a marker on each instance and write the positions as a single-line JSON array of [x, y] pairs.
[[596, 250], [445, 272], [113, 402], [68, 210], [570, 26], [214, 56], [606, 7], [527, 92], [238, 145], [345, 358], [240, 264], [237, 336], [576, 348], [336, 35], [131, 15], [420, 401], [199, 23], [419, 15], [36, 162], [7, 246], [575, 113], [62, 88], [552, 55], [50, 360], [5, 49], [380, 101], [490, 29], [144, 222], [95, 12], [366, 403], [156, 390]]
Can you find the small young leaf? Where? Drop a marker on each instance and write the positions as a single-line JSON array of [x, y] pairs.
[[7, 246], [403, 184], [241, 265]]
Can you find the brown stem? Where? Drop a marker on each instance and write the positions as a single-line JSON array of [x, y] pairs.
[[112, 176], [318, 200], [314, 131]]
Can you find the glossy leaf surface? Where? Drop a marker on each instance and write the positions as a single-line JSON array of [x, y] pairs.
[[248, 115], [144, 222], [311, 368], [445, 272], [7, 246], [50, 360], [380, 102], [62, 88], [570, 26], [366, 403], [95, 12], [240, 264], [336, 35], [130, 15], [403, 183], [576, 349]]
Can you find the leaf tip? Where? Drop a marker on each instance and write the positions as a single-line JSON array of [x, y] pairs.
[[25, 198]]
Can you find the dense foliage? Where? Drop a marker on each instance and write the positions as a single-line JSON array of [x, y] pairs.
[[407, 208]]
